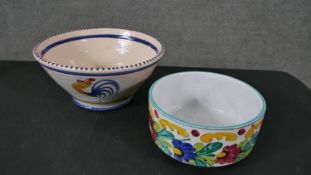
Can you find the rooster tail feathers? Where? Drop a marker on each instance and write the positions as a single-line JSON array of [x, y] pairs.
[[105, 88]]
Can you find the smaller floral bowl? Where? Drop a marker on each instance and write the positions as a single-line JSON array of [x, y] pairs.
[[100, 68], [205, 119]]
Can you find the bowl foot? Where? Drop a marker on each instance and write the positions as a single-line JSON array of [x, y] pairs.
[[101, 107]]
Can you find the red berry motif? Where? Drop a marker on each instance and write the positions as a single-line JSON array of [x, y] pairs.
[[241, 131], [229, 154], [195, 133], [156, 113]]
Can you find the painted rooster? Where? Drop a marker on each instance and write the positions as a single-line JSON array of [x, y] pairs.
[[101, 89]]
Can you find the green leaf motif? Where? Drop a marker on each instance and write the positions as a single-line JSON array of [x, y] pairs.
[[163, 147], [156, 126], [198, 146], [242, 155], [166, 150], [166, 134], [191, 162], [208, 160], [245, 145], [164, 142], [253, 138], [200, 162], [210, 148]]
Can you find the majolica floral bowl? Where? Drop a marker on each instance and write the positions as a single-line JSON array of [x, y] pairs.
[[100, 68], [205, 119]]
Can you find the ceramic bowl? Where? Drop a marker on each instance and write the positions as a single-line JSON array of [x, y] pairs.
[[100, 68], [205, 119]]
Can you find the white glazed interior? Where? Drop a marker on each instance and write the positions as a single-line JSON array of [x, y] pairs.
[[205, 98], [99, 52]]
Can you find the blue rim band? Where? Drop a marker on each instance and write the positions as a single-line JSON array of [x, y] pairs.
[[131, 38], [69, 72], [211, 127]]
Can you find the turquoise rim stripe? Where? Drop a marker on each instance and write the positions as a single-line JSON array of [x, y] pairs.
[[211, 127]]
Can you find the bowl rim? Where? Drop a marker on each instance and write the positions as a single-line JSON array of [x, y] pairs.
[[101, 71], [208, 127]]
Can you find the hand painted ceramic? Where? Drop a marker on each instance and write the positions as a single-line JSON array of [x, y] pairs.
[[100, 68], [205, 119]]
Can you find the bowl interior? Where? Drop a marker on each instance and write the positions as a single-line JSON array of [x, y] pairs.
[[99, 48], [205, 98]]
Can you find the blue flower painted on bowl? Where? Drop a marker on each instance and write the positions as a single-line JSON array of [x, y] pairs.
[[183, 151]]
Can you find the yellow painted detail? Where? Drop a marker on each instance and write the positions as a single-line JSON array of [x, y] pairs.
[[80, 86], [151, 111], [218, 135], [198, 146], [180, 131], [191, 162], [251, 131], [177, 151], [221, 155]]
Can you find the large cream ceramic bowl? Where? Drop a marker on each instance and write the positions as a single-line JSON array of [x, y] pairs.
[[100, 68], [205, 119]]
